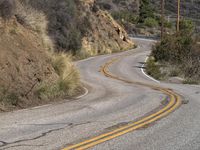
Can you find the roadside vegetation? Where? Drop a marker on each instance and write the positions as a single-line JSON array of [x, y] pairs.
[[68, 83], [177, 55], [69, 80], [39, 41], [32, 71], [146, 21], [79, 27]]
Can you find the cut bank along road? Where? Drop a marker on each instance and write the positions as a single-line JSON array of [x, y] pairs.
[[111, 106]]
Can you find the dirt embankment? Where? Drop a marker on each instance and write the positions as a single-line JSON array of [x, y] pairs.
[[23, 65], [31, 73], [32, 32], [105, 34]]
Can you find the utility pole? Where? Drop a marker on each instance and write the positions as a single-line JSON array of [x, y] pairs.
[[162, 19], [178, 16]]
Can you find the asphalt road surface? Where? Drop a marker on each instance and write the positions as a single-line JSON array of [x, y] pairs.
[[110, 105]]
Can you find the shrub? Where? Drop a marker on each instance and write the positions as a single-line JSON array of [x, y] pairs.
[[187, 27], [190, 81], [8, 98], [35, 20], [68, 82], [180, 50], [64, 18], [69, 76], [168, 24], [150, 22], [173, 48], [145, 11], [174, 72], [153, 69], [46, 91], [127, 16], [7, 8]]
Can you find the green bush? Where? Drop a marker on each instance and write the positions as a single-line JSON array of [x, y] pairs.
[[126, 16], [150, 22], [153, 69], [180, 50], [168, 24], [145, 11], [187, 27], [173, 48], [8, 98]]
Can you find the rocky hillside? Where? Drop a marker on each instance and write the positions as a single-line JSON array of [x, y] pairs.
[[24, 64], [34, 34], [81, 27]]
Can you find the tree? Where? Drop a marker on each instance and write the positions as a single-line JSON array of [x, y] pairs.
[[146, 11]]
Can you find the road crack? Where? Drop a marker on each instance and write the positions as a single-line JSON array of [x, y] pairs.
[[4, 145]]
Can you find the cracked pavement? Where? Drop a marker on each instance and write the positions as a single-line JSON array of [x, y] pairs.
[[109, 104]]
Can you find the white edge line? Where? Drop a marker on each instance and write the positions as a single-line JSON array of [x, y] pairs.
[[147, 74], [86, 92]]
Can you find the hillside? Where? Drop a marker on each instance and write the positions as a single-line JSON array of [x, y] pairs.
[[127, 11], [34, 69], [119, 5], [23, 65], [189, 8], [81, 27]]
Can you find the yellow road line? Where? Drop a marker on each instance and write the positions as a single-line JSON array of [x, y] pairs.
[[126, 131], [175, 102]]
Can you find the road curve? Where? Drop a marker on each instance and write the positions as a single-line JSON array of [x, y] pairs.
[[111, 105]]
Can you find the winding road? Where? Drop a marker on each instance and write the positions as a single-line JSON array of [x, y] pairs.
[[125, 109]]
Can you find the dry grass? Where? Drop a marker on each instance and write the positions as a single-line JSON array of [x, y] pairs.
[[69, 76], [68, 82], [36, 21], [32, 75]]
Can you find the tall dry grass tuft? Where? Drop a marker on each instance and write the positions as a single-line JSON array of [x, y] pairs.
[[68, 83], [69, 76]]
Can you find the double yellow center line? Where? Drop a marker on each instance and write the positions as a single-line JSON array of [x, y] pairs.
[[174, 103]]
